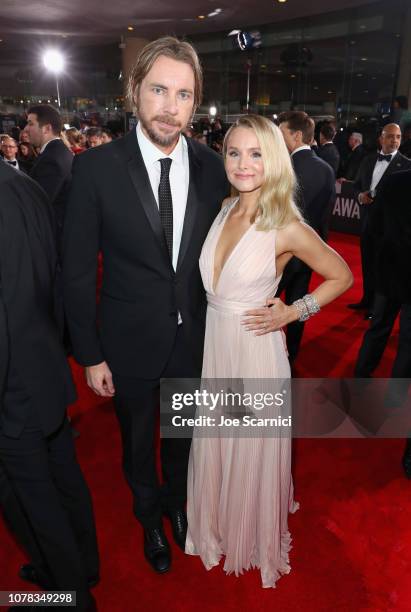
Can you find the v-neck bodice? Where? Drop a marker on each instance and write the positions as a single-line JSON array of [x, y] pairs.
[[249, 273]]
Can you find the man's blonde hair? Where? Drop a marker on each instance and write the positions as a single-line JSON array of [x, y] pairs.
[[173, 48], [276, 206]]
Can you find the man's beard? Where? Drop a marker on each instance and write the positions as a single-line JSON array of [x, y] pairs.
[[163, 140]]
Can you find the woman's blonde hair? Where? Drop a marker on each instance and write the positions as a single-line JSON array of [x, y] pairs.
[[276, 206]]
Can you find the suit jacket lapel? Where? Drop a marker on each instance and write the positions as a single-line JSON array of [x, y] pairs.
[[138, 174], [192, 204], [395, 165]]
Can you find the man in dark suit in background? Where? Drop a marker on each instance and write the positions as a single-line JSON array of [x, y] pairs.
[[327, 149], [374, 170], [52, 169], [147, 202], [315, 197], [42, 491], [391, 228], [9, 149], [352, 164]]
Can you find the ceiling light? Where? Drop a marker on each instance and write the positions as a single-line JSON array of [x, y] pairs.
[[130, 28], [292, 76], [282, 1], [214, 13], [53, 60], [329, 91], [359, 75], [263, 66], [201, 17], [364, 59]]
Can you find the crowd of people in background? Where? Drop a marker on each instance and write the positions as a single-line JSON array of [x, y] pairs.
[[150, 299], [342, 149]]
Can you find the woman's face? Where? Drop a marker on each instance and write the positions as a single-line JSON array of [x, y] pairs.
[[243, 161], [24, 150]]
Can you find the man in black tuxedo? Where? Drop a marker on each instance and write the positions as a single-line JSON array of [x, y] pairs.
[[42, 491], [327, 149], [391, 228], [352, 164], [315, 197], [9, 149], [52, 168], [146, 201], [374, 170]]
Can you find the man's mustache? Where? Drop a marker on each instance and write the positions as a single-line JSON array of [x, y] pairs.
[[167, 120]]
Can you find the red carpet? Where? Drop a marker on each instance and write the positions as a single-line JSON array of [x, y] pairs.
[[351, 536]]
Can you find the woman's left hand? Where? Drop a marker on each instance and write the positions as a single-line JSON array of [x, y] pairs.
[[272, 317]]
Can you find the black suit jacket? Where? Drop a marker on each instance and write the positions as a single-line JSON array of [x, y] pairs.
[[391, 226], [316, 189], [112, 208], [364, 177], [52, 170], [352, 164], [30, 348], [329, 153]]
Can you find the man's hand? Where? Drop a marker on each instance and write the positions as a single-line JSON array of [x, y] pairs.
[[364, 198], [99, 379]]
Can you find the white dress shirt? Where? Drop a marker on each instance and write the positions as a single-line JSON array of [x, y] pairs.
[[179, 180], [302, 148], [379, 169], [13, 163]]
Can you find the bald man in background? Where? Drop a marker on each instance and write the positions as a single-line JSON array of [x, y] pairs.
[[374, 170]]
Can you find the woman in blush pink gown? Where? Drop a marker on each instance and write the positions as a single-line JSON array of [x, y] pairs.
[[240, 489]]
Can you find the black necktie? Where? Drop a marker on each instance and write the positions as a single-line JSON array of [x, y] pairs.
[[12, 163], [165, 203], [382, 157]]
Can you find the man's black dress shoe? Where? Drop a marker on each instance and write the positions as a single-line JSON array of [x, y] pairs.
[[358, 306], [29, 573], [157, 549], [178, 520]]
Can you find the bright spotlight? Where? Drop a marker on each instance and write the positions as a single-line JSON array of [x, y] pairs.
[[212, 111], [53, 61]]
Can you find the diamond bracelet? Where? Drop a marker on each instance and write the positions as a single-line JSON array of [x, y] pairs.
[[306, 306]]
